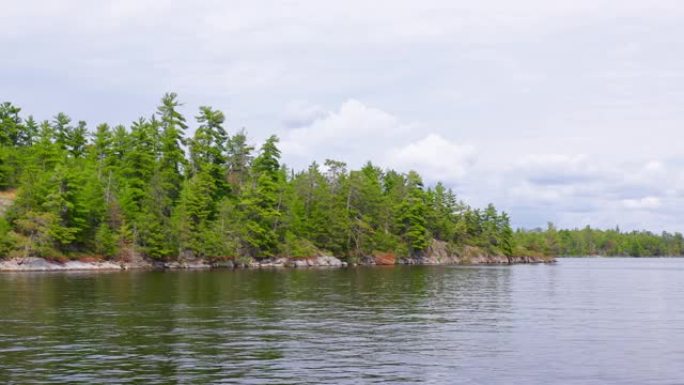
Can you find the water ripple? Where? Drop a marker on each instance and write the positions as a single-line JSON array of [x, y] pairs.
[[581, 321]]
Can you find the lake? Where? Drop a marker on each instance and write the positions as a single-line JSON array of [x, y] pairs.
[[580, 321]]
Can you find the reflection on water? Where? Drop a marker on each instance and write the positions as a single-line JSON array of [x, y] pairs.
[[579, 321]]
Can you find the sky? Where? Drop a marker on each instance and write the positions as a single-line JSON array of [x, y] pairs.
[[569, 112]]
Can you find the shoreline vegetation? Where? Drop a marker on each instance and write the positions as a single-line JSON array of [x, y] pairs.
[[150, 195], [35, 264]]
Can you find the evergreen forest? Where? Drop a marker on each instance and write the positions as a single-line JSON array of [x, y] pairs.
[[169, 186], [152, 189]]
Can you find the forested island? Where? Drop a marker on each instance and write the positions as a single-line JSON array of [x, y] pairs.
[[151, 191], [596, 242]]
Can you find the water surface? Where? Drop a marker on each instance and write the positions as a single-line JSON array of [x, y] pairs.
[[580, 321]]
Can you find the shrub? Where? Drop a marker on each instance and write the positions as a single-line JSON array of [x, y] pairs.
[[298, 247]]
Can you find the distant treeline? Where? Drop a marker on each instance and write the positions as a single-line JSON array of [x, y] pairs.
[[149, 189], [588, 241]]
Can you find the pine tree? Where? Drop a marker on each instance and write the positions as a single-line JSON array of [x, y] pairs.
[[196, 209], [260, 204], [10, 124], [28, 132], [10, 132], [506, 235], [412, 216], [208, 146], [364, 203], [311, 206], [339, 225], [137, 164], [46, 153], [208, 150], [101, 150], [239, 160], [76, 140], [172, 163], [61, 124], [61, 203]]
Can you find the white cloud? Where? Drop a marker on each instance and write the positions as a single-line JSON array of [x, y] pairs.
[[557, 169], [654, 166], [577, 189], [356, 133], [437, 158], [301, 113], [643, 203]]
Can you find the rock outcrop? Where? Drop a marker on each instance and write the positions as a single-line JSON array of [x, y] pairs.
[[40, 264], [385, 259], [184, 264], [437, 254]]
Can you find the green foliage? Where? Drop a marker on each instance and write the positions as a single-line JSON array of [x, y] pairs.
[[105, 241], [119, 190], [154, 235], [412, 215], [76, 140], [588, 241], [298, 247], [195, 211], [172, 156], [6, 168], [10, 124], [260, 205], [6, 239], [35, 235], [238, 161]]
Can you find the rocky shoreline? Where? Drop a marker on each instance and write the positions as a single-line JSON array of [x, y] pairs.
[[40, 264]]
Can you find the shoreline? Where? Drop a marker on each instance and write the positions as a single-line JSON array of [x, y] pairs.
[[35, 264]]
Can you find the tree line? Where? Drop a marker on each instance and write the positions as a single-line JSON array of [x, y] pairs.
[[151, 189], [595, 242]]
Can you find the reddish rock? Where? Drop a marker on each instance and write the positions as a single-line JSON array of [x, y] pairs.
[[90, 259], [385, 259]]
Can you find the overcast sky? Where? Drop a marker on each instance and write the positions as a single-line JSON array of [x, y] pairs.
[[571, 112]]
